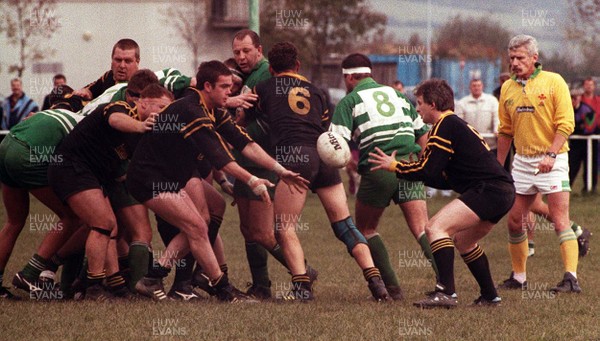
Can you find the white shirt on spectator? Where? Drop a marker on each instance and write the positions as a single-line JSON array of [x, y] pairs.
[[481, 113]]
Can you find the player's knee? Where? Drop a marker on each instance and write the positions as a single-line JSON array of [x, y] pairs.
[[195, 231], [101, 230], [516, 223], [346, 231]]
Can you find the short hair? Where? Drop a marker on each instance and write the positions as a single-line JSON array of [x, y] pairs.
[[210, 72], [283, 56], [141, 79], [127, 44], [589, 79], [58, 93], [397, 82], [59, 76], [155, 90], [17, 79], [529, 42], [436, 91], [473, 80], [357, 60], [233, 67], [241, 34], [62, 97]]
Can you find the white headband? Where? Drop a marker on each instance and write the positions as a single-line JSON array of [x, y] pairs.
[[354, 70]]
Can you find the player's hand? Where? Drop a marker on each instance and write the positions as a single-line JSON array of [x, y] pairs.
[[294, 181], [546, 165], [226, 186], [259, 187], [84, 93], [382, 160], [148, 124], [245, 101]]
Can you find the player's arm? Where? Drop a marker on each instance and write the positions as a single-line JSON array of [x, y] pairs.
[[200, 133], [429, 168], [564, 121], [255, 153], [120, 116], [96, 88], [503, 146], [222, 180], [505, 133], [341, 121]]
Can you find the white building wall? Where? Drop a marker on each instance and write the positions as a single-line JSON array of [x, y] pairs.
[[106, 22]]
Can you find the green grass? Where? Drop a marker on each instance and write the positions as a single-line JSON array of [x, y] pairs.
[[342, 310]]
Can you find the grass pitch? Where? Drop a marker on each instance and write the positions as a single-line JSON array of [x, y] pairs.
[[342, 309]]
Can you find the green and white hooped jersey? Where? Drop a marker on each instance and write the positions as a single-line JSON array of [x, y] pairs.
[[170, 78], [106, 97], [46, 129], [375, 115]]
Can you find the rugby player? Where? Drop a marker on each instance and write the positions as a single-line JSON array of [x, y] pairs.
[[256, 218], [92, 158], [375, 115], [165, 161], [486, 192], [25, 154], [296, 113]]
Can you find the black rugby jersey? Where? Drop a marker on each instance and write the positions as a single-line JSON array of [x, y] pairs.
[[456, 157], [95, 143], [292, 110], [100, 85], [185, 133]]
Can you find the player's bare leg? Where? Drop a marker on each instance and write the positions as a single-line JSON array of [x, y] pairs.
[[415, 213], [456, 225], [95, 210], [16, 204], [179, 210], [356, 244]]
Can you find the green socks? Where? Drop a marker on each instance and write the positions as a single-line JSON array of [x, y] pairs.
[[382, 261]]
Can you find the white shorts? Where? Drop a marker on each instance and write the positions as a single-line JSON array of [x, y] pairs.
[[527, 183]]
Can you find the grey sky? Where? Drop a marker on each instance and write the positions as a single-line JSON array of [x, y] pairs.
[[542, 19]]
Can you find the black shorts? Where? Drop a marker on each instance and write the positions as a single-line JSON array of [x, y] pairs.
[[203, 170], [143, 189], [305, 160], [490, 200], [71, 177]]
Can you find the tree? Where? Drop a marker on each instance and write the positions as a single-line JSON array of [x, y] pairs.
[[27, 24], [188, 19], [584, 29], [472, 38], [319, 28]]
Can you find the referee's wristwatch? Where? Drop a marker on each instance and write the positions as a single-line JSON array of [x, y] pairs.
[[551, 154]]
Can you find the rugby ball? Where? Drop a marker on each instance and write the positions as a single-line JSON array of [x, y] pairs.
[[333, 149]]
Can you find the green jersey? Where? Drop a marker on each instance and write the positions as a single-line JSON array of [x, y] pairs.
[[375, 115], [45, 130], [259, 73]]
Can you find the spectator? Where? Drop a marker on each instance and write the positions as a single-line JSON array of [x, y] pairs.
[[480, 110], [586, 123], [16, 106], [58, 79], [504, 76], [398, 85]]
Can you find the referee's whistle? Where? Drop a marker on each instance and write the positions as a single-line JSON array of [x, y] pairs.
[[536, 171]]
